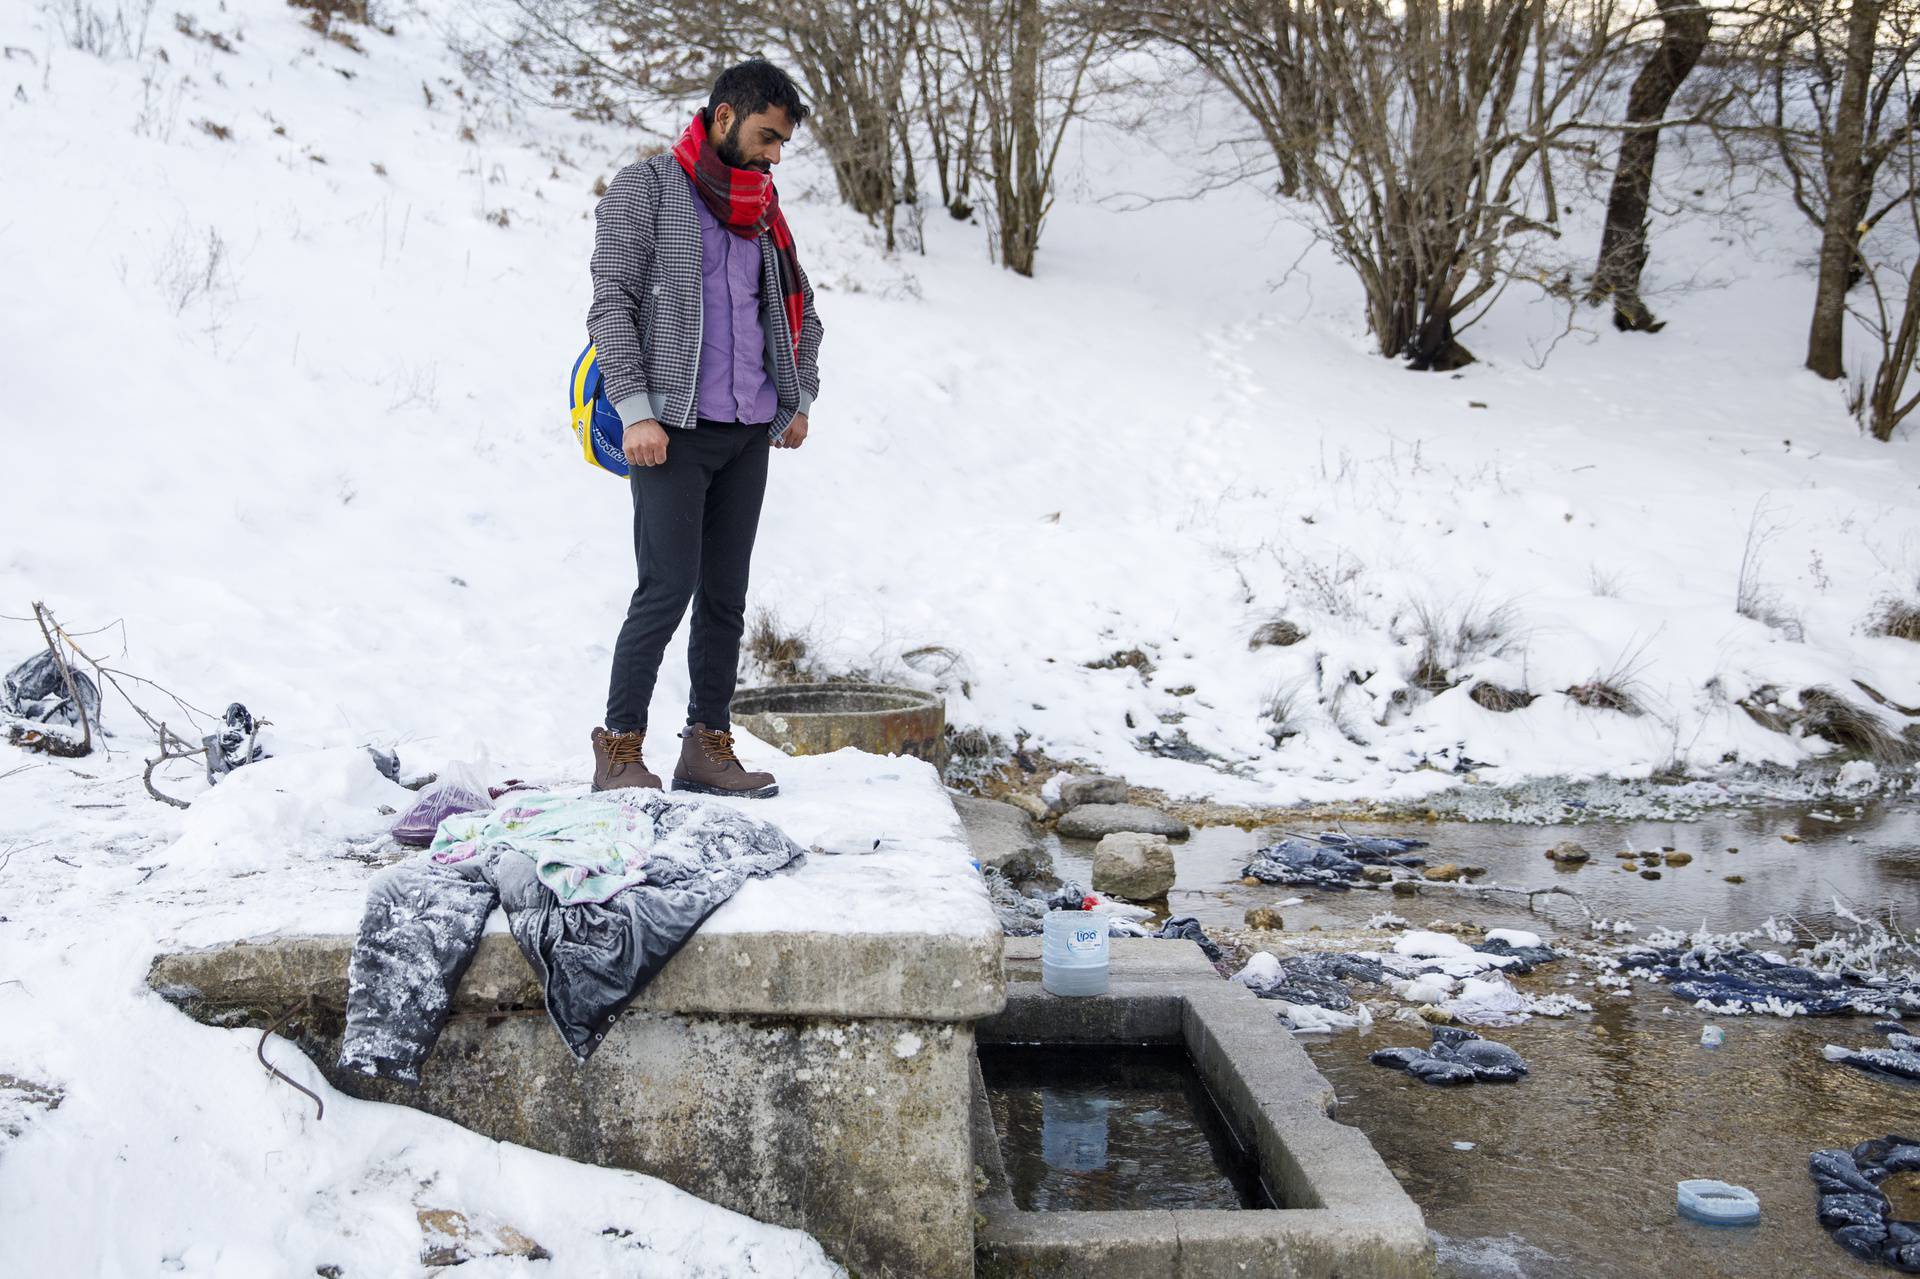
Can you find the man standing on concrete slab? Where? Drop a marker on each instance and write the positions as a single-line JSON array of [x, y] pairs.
[[707, 337]]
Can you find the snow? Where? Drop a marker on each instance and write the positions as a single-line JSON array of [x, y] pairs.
[[1427, 988], [920, 880], [174, 1153], [1857, 774], [301, 805], [1312, 1019], [1420, 944], [1515, 937], [414, 463], [273, 1191], [1262, 969], [1487, 1001], [285, 415]]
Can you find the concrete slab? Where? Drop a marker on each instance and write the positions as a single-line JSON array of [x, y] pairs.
[[1340, 1213], [921, 977], [803, 1060]]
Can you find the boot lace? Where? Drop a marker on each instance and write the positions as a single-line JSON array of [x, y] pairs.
[[718, 746], [624, 748]]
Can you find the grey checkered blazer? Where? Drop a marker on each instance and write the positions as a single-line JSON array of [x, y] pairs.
[[646, 316]]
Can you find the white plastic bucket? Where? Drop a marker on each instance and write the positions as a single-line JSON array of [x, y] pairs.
[[1073, 953]]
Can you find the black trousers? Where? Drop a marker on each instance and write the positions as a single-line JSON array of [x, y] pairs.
[[694, 520]]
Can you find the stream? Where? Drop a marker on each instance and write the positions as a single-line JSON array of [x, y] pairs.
[[1572, 1170]]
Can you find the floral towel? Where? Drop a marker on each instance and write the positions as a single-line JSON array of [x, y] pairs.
[[584, 849]]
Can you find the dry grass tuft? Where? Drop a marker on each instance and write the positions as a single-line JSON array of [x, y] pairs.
[[1600, 695], [1899, 618], [1851, 727], [781, 655], [1454, 638], [1126, 657], [1501, 700], [1278, 633]]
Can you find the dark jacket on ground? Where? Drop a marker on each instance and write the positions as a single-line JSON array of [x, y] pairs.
[[424, 919]]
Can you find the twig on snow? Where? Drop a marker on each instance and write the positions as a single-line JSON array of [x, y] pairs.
[[1528, 893], [146, 778]]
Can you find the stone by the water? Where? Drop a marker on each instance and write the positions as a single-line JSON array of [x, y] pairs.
[[1133, 866], [1004, 837], [1075, 791], [1095, 821]]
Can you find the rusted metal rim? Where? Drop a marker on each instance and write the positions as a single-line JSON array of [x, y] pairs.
[[814, 719]]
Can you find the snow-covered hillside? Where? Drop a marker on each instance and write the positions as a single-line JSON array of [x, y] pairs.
[[285, 330]]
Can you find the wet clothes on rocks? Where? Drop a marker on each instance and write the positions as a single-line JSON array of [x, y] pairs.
[[666, 864], [1456, 1056], [1331, 860], [1900, 1059], [1748, 981], [1853, 1208]]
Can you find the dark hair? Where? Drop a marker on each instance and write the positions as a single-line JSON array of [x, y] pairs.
[[753, 87]]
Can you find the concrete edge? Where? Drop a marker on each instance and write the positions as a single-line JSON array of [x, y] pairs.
[[800, 974], [1354, 1216]]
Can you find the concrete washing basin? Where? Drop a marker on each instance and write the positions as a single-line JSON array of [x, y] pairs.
[[1340, 1211]]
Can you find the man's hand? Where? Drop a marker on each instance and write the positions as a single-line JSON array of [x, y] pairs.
[[795, 435], [644, 443]]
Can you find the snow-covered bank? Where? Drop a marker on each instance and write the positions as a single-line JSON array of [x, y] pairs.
[[172, 1152]]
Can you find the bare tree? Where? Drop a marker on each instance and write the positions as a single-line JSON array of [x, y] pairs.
[[854, 56], [1623, 243], [852, 59], [1886, 404], [952, 130], [1422, 135], [1028, 63], [1894, 322], [1829, 92]]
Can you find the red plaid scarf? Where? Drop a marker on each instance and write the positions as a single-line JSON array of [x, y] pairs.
[[744, 202]]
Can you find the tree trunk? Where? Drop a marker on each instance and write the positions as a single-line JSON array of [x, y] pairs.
[[961, 206], [1023, 195], [1623, 245], [1839, 237], [1885, 409]]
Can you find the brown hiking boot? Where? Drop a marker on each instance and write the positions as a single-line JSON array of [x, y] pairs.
[[709, 766], [617, 763]]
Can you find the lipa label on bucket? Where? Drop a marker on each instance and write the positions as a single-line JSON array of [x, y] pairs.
[[1086, 941]]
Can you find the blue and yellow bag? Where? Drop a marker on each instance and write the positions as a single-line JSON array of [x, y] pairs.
[[595, 425]]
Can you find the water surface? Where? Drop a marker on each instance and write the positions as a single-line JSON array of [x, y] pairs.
[[1572, 1171], [1102, 1127]]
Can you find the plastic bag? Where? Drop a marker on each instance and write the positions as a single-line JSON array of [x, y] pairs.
[[36, 690], [459, 790], [234, 746]]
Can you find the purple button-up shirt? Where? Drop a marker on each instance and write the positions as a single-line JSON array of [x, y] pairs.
[[734, 385]]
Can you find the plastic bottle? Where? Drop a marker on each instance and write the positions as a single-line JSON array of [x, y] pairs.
[[1073, 953]]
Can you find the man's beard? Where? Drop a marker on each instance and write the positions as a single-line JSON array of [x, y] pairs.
[[729, 152]]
